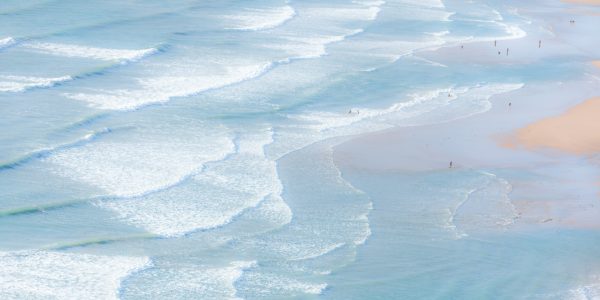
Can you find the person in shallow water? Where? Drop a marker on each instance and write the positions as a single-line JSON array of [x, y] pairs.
[[450, 166]]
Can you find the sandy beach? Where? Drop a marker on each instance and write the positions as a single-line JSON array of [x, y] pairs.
[[545, 129], [576, 131], [586, 2]]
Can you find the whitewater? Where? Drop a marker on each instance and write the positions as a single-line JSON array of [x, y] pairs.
[[185, 150]]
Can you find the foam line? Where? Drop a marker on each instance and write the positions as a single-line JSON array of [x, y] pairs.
[[242, 180], [144, 165], [15, 84], [323, 121], [160, 89], [57, 275], [261, 19], [190, 281], [7, 42], [42, 153], [107, 54]]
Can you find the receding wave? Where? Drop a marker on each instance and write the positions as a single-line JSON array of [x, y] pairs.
[[6, 42], [106, 54], [189, 281], [430, 100], [58, 275], [16, 84], [273, 286], [310, 46], [261, 19], [42, 153], [161, 89], [144, 164], [191, 206]]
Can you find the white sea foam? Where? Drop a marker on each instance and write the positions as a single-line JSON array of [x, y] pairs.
[[222, 191], [370, 2], [276, 286], [419, 103], [157, 89], [272, 210], [89, 52], [143, 164], [189, 282], [364, 11], [493, 17], [320, 252], [513, 31], [327, 120], [486, 207], [5, 42], [368, 13], [450, 225], [10, 83], [586, 292], [430, 62], [261, 19], [418, 10], [310, 46], [425, 3], [393, 50], [56, 275], [321, 231], [313, 41]]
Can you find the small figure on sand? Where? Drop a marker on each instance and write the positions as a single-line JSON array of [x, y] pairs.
[[495, 43], [499, 52], [540, 44], [449, 95], [507, 51], [462, 46], [509, 104], [451, 165]]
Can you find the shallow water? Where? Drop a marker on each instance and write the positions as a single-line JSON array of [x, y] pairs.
[[190, 144]]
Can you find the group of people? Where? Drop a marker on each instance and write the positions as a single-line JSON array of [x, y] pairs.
[[451, 164], [499, 52]]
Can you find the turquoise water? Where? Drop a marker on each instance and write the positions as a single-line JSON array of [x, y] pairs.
[[410, 255], [183, 150]]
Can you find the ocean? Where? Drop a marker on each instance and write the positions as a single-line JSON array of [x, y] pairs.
[[185, 150]]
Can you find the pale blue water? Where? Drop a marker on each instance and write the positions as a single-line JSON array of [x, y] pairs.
[[183, 150]]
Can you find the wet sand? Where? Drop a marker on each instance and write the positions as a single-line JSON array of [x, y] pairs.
[[552, 184]]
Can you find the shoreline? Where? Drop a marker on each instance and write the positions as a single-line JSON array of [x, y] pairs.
[[558, 185]]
